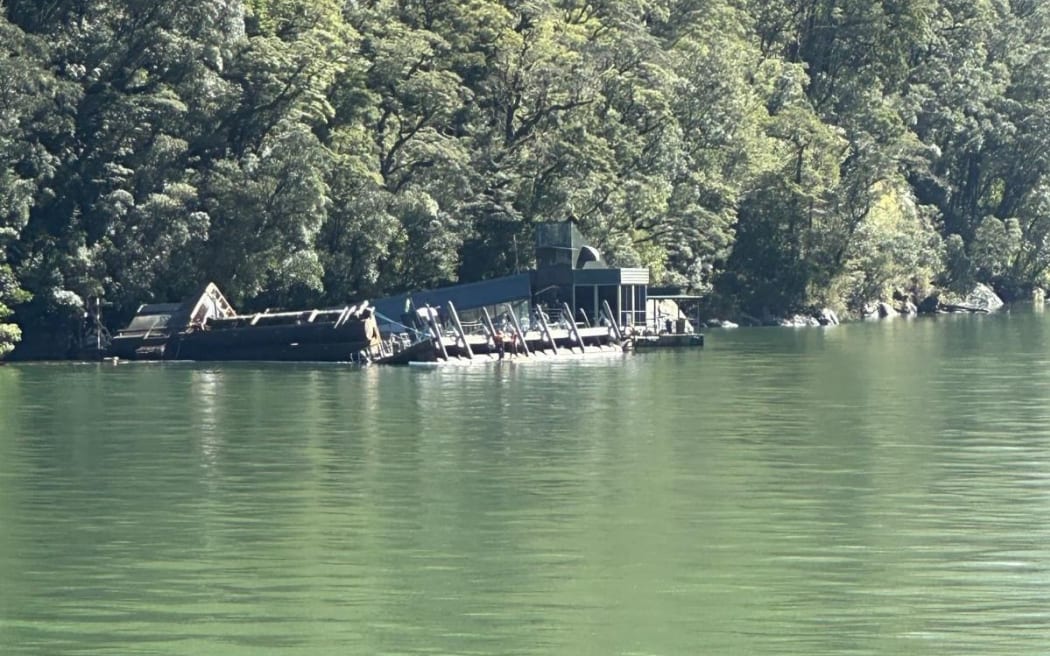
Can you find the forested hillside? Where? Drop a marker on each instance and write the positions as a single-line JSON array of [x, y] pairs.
[[782, 153]]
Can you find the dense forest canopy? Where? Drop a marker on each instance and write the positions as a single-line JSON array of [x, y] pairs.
[[781, 154]]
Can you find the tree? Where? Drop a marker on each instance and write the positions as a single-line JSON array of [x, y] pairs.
[[29, 99], [979, 93]]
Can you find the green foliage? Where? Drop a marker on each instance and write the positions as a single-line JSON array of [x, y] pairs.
[[995, 246], [266, 210], [959, 272], [894, 249], [27, 96], [789, 153]]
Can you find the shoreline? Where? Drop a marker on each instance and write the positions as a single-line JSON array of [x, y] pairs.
[[1006, 309]]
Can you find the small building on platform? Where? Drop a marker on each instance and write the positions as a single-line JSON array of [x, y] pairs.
[[665, 310], [568, 272]]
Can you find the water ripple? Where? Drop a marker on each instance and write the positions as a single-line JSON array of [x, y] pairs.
[[872, 489]]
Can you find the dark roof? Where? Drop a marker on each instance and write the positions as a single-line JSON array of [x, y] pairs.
[[607, 276], [465, 297], [673, 297], [673, 293]]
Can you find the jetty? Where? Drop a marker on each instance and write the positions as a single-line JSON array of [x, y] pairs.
[[669, 329], [573, 304], [440, 336]]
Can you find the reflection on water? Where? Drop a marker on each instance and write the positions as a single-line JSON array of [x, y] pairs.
[[874, 488]]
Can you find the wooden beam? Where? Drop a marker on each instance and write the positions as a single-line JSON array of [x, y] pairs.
[[342, 316]]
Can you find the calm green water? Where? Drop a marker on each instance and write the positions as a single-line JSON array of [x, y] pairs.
[[868, 489]]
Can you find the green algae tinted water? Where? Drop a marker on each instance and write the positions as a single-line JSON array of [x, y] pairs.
[[867, 489]]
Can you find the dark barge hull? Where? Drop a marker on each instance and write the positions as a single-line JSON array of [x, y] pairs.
[[187, 347], [275, 352], [206, 328], [316, 342]]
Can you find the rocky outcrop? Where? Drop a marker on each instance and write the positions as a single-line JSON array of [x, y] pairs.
[[720, 323], [827, 317], [886, 311], [981, 299], [824, 317], [798, 321], [930, 304]]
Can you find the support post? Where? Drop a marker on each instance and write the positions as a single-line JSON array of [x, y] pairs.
[[435, 331], [586, 319], [490, 328], [612, 320], [572, 326], [597, 307], [459, 329], [546, 329], [517, 329]]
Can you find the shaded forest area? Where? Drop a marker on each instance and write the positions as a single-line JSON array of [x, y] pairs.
[[780, 154]]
